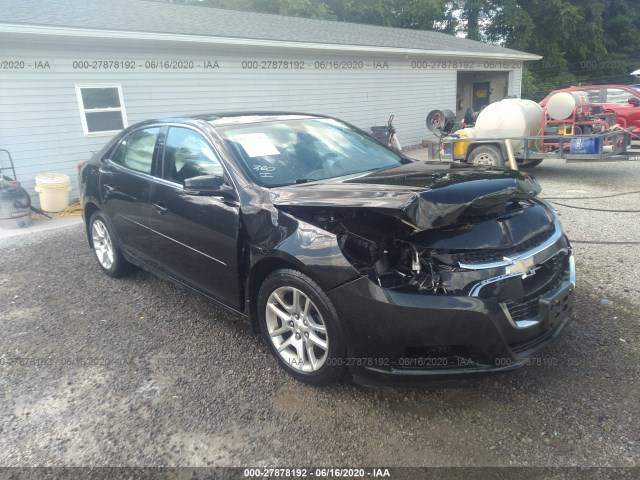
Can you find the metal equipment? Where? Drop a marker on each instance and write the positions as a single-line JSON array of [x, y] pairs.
[[15, 202], [387, 135], [442, 122], [568, 127]]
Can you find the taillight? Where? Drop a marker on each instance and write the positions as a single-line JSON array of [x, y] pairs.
[[79, 166]]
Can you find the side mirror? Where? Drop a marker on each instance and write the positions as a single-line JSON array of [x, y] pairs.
[[208, 186], [635, 101]]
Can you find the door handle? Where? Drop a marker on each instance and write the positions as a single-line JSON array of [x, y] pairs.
[[160, 209], [108, 188]]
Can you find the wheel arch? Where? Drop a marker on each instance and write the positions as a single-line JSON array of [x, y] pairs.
[[89, 209], [258, 273]]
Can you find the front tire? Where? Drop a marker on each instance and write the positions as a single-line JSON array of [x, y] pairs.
[[299, 325], [108, 253]]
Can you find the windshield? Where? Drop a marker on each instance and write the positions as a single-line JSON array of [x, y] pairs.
[[284, 152]]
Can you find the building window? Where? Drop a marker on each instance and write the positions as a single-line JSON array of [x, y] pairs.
[[101, 109]]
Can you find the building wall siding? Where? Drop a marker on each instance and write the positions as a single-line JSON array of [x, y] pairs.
[[40, 119]]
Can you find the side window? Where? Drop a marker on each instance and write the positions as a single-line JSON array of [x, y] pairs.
[[594, 94], [187, 154], [136, 150], [617, 95]]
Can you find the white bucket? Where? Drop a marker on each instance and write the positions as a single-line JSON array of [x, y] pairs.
[[53, 189]]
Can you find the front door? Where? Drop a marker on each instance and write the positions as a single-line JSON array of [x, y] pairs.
[[617, 99], [195, 237]]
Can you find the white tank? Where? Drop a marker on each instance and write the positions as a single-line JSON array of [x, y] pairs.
[[510, 118], [561, 105]]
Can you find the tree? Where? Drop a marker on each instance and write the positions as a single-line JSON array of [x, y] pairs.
[[621, 24], [424, 15], [372, 12], [567, 33], [474, 13]]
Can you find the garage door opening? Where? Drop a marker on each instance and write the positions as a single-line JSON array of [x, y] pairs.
[[479, 89]]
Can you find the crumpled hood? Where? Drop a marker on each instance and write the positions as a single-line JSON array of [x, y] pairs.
[[424, 195]]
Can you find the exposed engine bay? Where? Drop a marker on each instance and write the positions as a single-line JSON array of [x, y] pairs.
[[381, 248], [395, 255]]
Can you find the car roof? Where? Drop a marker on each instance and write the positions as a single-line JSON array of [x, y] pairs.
[[239, 118], [232, 118], [582, 87], [222, 119]]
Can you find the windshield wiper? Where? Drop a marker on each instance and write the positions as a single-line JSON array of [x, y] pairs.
[[307, 180]]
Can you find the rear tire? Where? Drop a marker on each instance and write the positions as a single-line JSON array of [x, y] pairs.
[[299, 325], [486, 155], [108, 253]]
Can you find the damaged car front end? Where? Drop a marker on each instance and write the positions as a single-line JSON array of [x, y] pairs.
[[462, 271]]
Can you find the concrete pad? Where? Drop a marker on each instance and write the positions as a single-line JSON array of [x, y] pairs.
[[38, 226]]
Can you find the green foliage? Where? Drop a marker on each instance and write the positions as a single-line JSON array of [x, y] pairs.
[[581, 41], [621, 21], [420, 14]]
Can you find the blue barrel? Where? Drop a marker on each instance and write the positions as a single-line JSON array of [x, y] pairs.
[[584, 145]]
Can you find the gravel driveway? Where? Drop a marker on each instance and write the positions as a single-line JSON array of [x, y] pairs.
[[136, 372]]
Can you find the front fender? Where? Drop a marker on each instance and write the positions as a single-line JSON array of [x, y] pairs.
[[314, 251]]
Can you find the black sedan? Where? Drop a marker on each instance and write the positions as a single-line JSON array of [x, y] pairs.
[[345, 255]]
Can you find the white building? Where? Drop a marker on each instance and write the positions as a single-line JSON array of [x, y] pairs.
[[74, 72]]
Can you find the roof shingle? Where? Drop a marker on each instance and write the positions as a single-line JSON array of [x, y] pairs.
[[159, 17]]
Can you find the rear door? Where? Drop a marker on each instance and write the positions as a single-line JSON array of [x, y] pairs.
[[125, 187], [195, 237]]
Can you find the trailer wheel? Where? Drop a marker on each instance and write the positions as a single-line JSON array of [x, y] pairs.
[[531, 164], [486, 155]]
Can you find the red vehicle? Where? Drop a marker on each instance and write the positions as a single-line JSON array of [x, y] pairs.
[[623, 100]]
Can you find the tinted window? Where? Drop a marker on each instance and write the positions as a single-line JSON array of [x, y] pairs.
[[618, 95], [297, 149], [136, 151], [187, 154]]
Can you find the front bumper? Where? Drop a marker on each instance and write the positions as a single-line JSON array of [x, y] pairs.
[[397, 337]]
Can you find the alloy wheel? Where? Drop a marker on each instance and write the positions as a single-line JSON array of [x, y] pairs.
[[102, 244], [296, 329]]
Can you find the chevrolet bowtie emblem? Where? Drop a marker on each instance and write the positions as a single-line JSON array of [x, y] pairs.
[[525, 266]]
